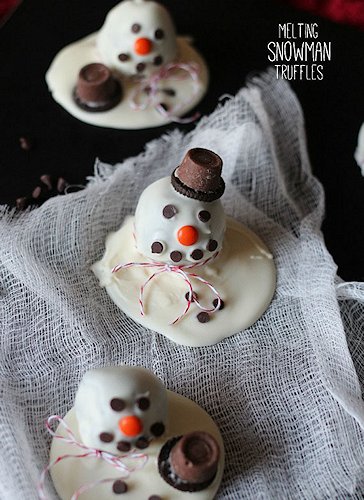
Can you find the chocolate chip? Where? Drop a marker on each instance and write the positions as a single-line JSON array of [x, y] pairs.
[[197, 254], [157, 429], [203, 317], [136, 28], [212, 245], [123, 57], [22, 203], [25, 143], [117, 404], [169, 92], [119, 487], [169, 211], [176, 256], [159, 34], [142, 443], [46, 179], [106, 437], [157, 247], [204, 216], [123, 446], [194, 296], [154, 497], [143, 403], [157, 61], [222, 304], [140, 67], [36, 192]]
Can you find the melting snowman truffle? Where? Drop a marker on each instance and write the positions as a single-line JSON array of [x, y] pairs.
[[119, 408], [187, 223]]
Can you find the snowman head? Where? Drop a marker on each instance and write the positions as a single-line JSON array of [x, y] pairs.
[[180, 219], [137, 37], [121, 407]]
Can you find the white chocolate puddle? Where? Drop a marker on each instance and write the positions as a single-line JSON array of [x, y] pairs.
[[70, 474], [62, 77], [243, 274]]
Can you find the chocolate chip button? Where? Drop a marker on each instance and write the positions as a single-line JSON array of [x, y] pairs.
[[203, 317], [222, 304], [212, 245], [197, 254], [142, 443], [123, 446], [176, 256], [140, 67], [157, 247], [194, 296], [119, 487]]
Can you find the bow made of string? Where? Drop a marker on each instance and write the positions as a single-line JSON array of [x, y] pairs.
[[113, 460], [179, 270], [150, 85]]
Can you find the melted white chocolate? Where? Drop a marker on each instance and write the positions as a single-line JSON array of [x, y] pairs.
[[243, 274], [184, 416]]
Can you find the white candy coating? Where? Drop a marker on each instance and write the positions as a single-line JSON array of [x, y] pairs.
[[95, 415], [152, 226], [117, 37]]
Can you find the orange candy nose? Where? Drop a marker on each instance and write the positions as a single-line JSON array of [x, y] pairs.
[[130, 425], [142, 46], [187, 235]]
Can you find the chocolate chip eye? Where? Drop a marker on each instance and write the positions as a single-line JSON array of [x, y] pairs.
[[157, 429], [212, 245], [157, 247], [136, 28], [117, 404], [204, 216], [143, 403], [169, 211], [159, 34], [157, 61], [123, 57]]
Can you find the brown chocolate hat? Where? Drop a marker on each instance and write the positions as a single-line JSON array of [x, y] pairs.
[[199, 175], [97, 89]]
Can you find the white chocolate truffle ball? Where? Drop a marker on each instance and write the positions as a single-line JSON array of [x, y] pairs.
[[121, 407], [138, 36], [172, 228]]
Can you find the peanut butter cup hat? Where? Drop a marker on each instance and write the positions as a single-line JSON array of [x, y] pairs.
[[199, 175]]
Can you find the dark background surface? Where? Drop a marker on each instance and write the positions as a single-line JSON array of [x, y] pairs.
[[232, 35]]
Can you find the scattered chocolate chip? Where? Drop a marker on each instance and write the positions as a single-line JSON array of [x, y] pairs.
[[61, 184], [154, 497], [140, 67], [119, 487], [143, 403], [157, 247], [212, 245], [25, 143], [142, 443], [169, 92], [37, 191], [157, 429], [176, 256], [117, 404], [204, 215], [197, 254], [169, 211], [203, 317], [106, 437], [46, 179], [157, 61], [159, 34], [222, 304], [136, 28], [22, 203], [123, 446], [164, 106], [194, 296], [123, 57]]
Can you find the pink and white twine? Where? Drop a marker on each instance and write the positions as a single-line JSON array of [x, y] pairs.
[[179, 270], [113, 460], [167, 72]]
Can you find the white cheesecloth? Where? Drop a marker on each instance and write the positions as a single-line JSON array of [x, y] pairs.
[[286, 393]]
